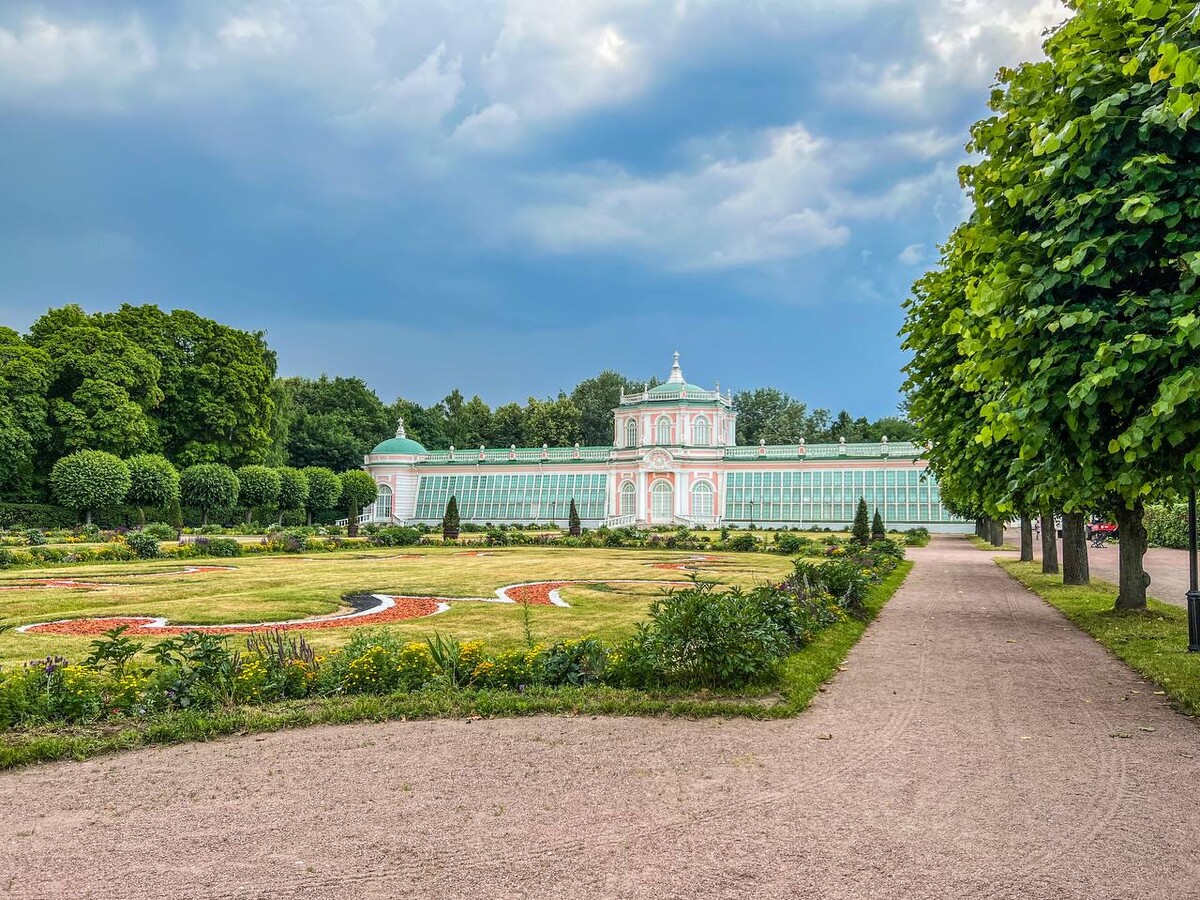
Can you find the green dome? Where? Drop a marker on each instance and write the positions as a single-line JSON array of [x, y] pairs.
[[674, 389], [395, 446], [401, 444]]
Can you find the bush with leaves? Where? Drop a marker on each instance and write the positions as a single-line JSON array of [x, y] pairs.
[[862, 523], [258, 487], [324, 490], [396, 536], [293, 488], [703, 637], [209, 486], [153, 481], [89, 479], [144, 545]]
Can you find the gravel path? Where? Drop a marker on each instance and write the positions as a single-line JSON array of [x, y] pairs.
[[976, 746]]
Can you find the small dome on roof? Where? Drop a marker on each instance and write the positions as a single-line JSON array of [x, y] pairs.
[[400, 445], [675, 385]]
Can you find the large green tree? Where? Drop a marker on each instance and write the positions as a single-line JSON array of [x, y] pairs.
[[209, 486], [258, 486], [103, 385], [153, 481], [555, 422], [336, 421], [324, 490], [215, 381], [24, 382], [1081, 324], [596, 399], [88, 480]]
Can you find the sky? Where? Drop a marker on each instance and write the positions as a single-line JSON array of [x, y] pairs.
[[505, 197]]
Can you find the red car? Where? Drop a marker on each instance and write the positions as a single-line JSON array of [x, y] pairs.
[[1100, 533]]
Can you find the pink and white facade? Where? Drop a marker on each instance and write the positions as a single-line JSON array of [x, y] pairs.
[[673, 460]]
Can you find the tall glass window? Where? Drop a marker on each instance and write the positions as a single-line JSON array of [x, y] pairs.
[[663, 431], [701, 432], [662, 502], [383, 504], [631, 437], [628, 499], [702, 499]]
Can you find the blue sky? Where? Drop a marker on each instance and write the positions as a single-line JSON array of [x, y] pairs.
[[505, 197]]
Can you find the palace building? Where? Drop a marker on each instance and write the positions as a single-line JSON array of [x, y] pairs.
[[674, 460]]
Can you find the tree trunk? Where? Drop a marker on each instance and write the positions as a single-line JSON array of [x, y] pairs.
[[1049, 546], [310, 517], [1026, 539], [997, 535], [352, 523], [87, 517], [1131, 545], [204, 517], [979, 529], [1075, 554], [249, 513]]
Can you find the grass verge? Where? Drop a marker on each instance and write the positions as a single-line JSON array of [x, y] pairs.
[[1152, 642], [801, 675], [980, 544]]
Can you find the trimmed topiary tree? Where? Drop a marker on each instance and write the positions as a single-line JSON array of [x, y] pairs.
[[877, 531], [324, 490], [862, 523], [358, 490], [258, 486], [153, 481], [293, 489], [89, 479], [574, 526], [208, 486], [450, 523]]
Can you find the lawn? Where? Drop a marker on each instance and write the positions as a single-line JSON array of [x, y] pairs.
[[277, 588]]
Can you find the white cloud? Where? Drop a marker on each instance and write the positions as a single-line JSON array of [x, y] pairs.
[[72, 65], [962, 45], [912, 255]]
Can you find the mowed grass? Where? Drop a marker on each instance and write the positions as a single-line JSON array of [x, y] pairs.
[[278, 588], [1153, 642]]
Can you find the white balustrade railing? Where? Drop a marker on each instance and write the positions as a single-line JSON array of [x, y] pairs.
[[620, 521]]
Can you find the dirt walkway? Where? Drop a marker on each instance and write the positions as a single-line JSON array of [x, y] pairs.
[[978, 746]]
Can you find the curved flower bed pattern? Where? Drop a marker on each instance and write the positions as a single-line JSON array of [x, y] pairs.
[[35, 583], [369, 609]]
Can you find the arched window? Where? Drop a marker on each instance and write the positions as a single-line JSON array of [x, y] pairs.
[[383, 504], [662, 497], [628, 499], [701, 432], [663, 431], [702, 500], [631, 433]]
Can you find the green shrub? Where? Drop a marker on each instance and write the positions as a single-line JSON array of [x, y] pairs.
[[145, 546], [396, 536], [34, 537], [36, 515], [743, 543], [790, 544], [89, 479], [916, 537], [160, 531], [700, 637], [222, 547], [1166, 525]]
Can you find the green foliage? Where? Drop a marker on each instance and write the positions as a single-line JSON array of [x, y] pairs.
[[450, 520], [324, 488], [916, 537], [701, 637], [334, 422], [862, 523], [1167, 525], [396, 536], [160, 531], [877, 529], [102, 385], [209, 486], [144, 545], [293, 488], [214, 382], [258, 486], [596, 398], [358, 490], [36, 515], [112, 650], [743, 543], [24, 383], [153, 481], [88, 479]]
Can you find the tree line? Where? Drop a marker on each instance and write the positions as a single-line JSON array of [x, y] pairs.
[[177, 385], [1054, 348]]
